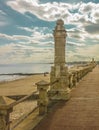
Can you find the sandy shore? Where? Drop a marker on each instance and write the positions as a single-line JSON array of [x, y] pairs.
[[21, 86]]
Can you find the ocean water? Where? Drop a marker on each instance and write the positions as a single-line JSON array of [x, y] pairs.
[[9, 77], [21, 68]]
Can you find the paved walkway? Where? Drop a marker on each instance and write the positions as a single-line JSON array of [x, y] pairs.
[[81, 112]]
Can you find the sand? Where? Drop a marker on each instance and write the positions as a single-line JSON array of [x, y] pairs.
[[23, 86]]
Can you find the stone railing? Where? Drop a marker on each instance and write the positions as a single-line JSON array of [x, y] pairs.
[[7, 108], [75, 75]]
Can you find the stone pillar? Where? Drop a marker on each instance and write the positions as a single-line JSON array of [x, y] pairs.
[[93, 63], [74, 78], [70, 80], [59, 70], [60, 41], [5, 110], [42, 86], [4, 119], [78, 75]]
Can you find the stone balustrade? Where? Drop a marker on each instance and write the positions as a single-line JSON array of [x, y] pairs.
[[76, 74], [6, 107]]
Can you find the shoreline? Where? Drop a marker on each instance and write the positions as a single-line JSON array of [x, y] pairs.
[[15, 76], [23, 73]]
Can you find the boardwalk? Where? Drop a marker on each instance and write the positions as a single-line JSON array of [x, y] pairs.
[[81, 112]]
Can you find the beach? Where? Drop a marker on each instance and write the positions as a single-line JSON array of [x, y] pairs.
[[23, 86]]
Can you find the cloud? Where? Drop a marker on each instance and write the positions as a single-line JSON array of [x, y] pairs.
[[87, 7], [89, 20], [52, 11], [2, 12], [5, 49], [77, 33], [84, 53], [91, 51], [5, 36], [26, 29], [37, 36], [84, 15], [13, 37], [37, 47], [92, 28], [2, 23], [47, 11], [3, 20], [37, 43], [24, 53], [75, 44]]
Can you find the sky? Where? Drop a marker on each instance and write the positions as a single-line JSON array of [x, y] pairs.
[[26, 30]]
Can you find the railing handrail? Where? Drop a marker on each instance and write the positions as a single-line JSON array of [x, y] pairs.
[[24, 98], [17, 102]]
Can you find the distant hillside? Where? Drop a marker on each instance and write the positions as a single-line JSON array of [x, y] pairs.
[[80, 62]]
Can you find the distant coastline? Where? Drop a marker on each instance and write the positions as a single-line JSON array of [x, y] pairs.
[[23, 74]]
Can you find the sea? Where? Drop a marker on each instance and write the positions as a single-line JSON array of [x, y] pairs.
[[9, 72]]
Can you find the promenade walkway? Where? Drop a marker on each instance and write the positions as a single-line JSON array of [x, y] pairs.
[[81, 112]]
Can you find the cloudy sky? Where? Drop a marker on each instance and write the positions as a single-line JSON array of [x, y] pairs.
[[26, 30]]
